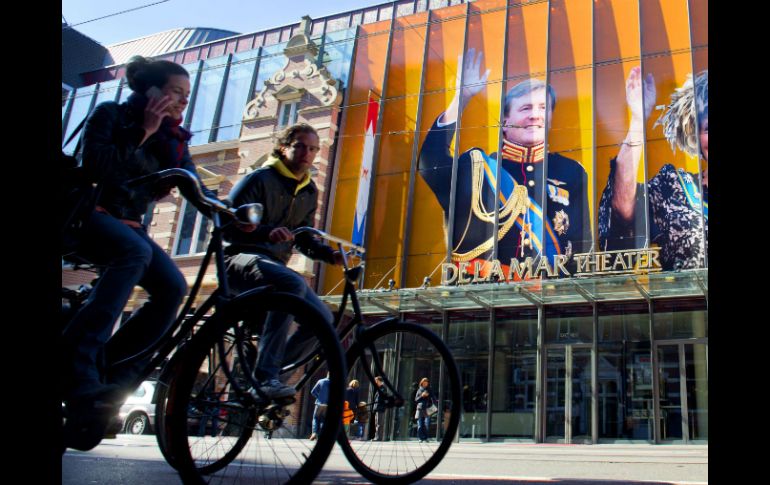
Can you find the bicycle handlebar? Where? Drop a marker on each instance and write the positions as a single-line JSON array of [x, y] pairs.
[[191, 189], [329, 237]]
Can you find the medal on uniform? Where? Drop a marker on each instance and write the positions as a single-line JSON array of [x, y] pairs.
[[561, 222], [558, 195]]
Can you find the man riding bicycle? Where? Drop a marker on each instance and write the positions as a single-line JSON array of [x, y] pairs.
[[258, 254]]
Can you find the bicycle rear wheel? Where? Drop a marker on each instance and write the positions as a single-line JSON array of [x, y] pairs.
[[407, 352], [216, 432]]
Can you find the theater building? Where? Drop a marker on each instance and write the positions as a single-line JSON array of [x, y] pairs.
[[529, 179]]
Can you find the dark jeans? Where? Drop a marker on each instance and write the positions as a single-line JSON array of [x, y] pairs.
[[131, 259], [247, 271], [319, 417], [423, 423], [379, 423]]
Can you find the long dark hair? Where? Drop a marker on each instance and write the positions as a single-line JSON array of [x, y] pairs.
[[143, 73], [288, 135]]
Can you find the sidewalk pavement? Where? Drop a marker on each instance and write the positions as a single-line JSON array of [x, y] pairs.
[[465, 464]]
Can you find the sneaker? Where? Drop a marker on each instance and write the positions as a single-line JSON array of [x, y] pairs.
[[87, 423], [312, 437], [275, 389]]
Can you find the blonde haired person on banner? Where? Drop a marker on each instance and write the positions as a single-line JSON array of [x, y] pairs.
[[675, 202]]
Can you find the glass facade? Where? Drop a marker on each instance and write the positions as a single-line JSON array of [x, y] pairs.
[[207, 94], [514, 380], [591, 106], [625, 372], [585, 373], [78, 107], [468, 340], [237, 92], [221, 87]]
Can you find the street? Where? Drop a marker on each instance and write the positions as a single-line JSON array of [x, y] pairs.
[[136, 460]]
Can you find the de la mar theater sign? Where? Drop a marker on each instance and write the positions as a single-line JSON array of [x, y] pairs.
[[586, 264]]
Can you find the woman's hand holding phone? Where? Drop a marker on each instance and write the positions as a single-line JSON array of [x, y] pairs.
[[155, 111]]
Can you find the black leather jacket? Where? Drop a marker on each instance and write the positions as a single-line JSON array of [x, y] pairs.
[[111, 153], [282, 208]]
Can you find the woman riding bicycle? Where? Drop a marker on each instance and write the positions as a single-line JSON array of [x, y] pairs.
[[121, 142]]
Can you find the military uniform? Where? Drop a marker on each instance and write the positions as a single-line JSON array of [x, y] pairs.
[[567, 225]]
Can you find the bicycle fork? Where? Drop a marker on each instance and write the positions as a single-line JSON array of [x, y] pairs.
[[397, 398]]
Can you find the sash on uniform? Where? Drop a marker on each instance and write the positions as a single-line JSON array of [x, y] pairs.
[[692, 194], [534, 211]]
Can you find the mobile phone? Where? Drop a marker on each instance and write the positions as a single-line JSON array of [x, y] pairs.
[[154, 92]]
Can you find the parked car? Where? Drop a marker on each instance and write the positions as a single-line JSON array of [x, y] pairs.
[[137, 414]]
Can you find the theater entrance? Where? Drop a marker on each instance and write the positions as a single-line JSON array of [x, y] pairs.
[[568, 394], [683, 390]]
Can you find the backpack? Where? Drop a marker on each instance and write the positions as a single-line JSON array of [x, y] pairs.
[[77, 198]]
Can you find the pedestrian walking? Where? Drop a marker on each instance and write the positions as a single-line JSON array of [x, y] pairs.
[[425, 409], [321, 393]]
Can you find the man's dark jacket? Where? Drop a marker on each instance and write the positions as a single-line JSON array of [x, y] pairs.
[[283, 206]]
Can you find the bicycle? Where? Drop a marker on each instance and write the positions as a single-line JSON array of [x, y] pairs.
[[209, 379], [245, 407], [396, 351]]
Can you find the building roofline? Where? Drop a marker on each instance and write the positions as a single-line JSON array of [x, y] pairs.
[[235, 34]]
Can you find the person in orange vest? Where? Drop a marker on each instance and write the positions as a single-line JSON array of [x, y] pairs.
[[347, 417]]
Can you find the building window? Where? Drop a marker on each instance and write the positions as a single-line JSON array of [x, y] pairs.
[[66, 90], [515, 373], [288, 113], [192, 233]]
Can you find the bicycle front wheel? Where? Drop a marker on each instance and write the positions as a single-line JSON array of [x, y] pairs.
[[217, 431], [404, 354]]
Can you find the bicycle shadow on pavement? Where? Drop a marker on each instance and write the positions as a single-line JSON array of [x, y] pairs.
[[351, 478]]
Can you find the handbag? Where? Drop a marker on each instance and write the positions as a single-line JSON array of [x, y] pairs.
[[78, 197], [432, 409]]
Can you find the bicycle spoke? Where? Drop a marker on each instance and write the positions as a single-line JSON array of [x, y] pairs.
[[403, 353], [222, 431]]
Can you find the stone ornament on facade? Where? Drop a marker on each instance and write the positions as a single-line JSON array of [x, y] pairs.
[[324, 90], [300, 73]]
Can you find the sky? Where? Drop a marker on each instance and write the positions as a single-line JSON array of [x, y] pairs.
[[242, 16]]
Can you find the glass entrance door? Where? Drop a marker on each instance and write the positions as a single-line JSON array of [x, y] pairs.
[[568, 394], [683, 391]]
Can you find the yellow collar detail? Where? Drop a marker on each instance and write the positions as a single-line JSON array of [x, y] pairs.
[[277, 164], [517, 153]]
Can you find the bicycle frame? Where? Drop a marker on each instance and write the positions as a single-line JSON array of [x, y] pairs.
[[184, 325], [349, 292]]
